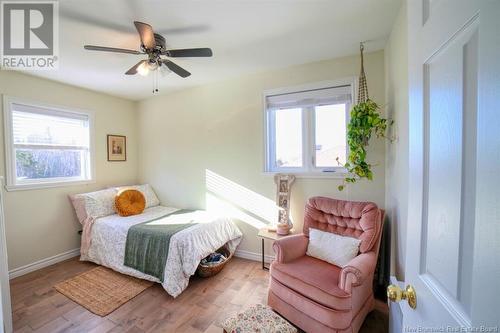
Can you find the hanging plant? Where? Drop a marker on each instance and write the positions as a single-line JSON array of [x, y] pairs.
[[365, 120]]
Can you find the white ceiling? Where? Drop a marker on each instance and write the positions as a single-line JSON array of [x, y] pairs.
[[245, 36]]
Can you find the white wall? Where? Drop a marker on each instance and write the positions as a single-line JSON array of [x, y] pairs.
[[41, 223], [219, 127], [396, 196]]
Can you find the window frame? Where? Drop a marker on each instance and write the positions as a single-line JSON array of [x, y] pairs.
[[309, 168], [12, 183]]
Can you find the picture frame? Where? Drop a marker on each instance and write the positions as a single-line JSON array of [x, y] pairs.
[[117, 148]]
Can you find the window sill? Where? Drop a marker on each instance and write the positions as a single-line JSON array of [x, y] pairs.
[[39, 186], [311, 175]]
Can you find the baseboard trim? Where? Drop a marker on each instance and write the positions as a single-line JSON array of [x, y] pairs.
[[16, 272], [253, 256], [20, 271]]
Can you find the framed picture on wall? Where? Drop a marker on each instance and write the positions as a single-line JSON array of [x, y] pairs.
[[117, 148]]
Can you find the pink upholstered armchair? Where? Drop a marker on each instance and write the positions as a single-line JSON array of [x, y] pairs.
[[318, 296]]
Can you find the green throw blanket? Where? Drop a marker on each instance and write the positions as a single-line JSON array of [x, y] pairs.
[[147, 245]]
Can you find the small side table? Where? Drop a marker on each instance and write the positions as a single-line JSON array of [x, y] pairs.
[[271, 235]]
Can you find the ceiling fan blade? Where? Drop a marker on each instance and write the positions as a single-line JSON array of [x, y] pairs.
[[198, 52], [133, 70], [146, 33], [175, 68], [110, 49]]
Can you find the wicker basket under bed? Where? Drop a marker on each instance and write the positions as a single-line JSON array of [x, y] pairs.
[[208, 271]]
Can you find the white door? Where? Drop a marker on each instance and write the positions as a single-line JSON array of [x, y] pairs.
[[453, 241]]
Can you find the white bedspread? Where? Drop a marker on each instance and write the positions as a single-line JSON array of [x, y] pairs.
[[187, 247]]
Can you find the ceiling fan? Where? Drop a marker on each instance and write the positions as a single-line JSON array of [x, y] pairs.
[[154, 46]]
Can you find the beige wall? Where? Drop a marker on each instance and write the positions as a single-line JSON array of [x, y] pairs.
[[219, 127], [41, 223], [396, 66]]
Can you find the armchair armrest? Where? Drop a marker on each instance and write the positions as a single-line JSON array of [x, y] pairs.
[[290, 248], [357, 271]]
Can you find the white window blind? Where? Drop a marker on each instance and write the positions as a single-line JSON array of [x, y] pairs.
[[46, 146], [308, 98], [306, 129]]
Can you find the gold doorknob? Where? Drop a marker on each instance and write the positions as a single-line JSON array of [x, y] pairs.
[[396, 294]]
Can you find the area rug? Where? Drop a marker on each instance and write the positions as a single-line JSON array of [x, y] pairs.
[[102, 290]]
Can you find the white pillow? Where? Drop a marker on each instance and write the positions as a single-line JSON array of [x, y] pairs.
[[94, 204], [333, 248], [102, 203]]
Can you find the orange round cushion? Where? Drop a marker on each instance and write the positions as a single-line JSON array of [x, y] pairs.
[[129, 202]]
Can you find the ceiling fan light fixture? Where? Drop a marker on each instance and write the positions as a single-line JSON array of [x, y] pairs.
[[146, 67], [143, 69], [152, 65]]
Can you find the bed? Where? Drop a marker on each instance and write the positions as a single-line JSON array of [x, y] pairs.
[[106, 236]]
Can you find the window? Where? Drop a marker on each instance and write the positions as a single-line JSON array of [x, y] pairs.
[[306, 129], [46, 146]]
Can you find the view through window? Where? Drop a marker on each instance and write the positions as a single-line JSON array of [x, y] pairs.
[[47, 145], [306, 130]]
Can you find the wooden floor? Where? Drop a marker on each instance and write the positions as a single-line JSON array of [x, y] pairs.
[[37, 307]]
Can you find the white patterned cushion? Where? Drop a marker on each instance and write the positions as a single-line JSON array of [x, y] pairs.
[[332, 248], [257, 318]]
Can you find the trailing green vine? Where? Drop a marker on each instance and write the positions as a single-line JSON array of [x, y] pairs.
[[365, 120]]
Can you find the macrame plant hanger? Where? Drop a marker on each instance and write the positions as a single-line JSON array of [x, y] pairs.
[[362, 90], [362, 86]]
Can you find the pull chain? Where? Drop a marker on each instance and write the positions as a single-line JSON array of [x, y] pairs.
[[155, 82]]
